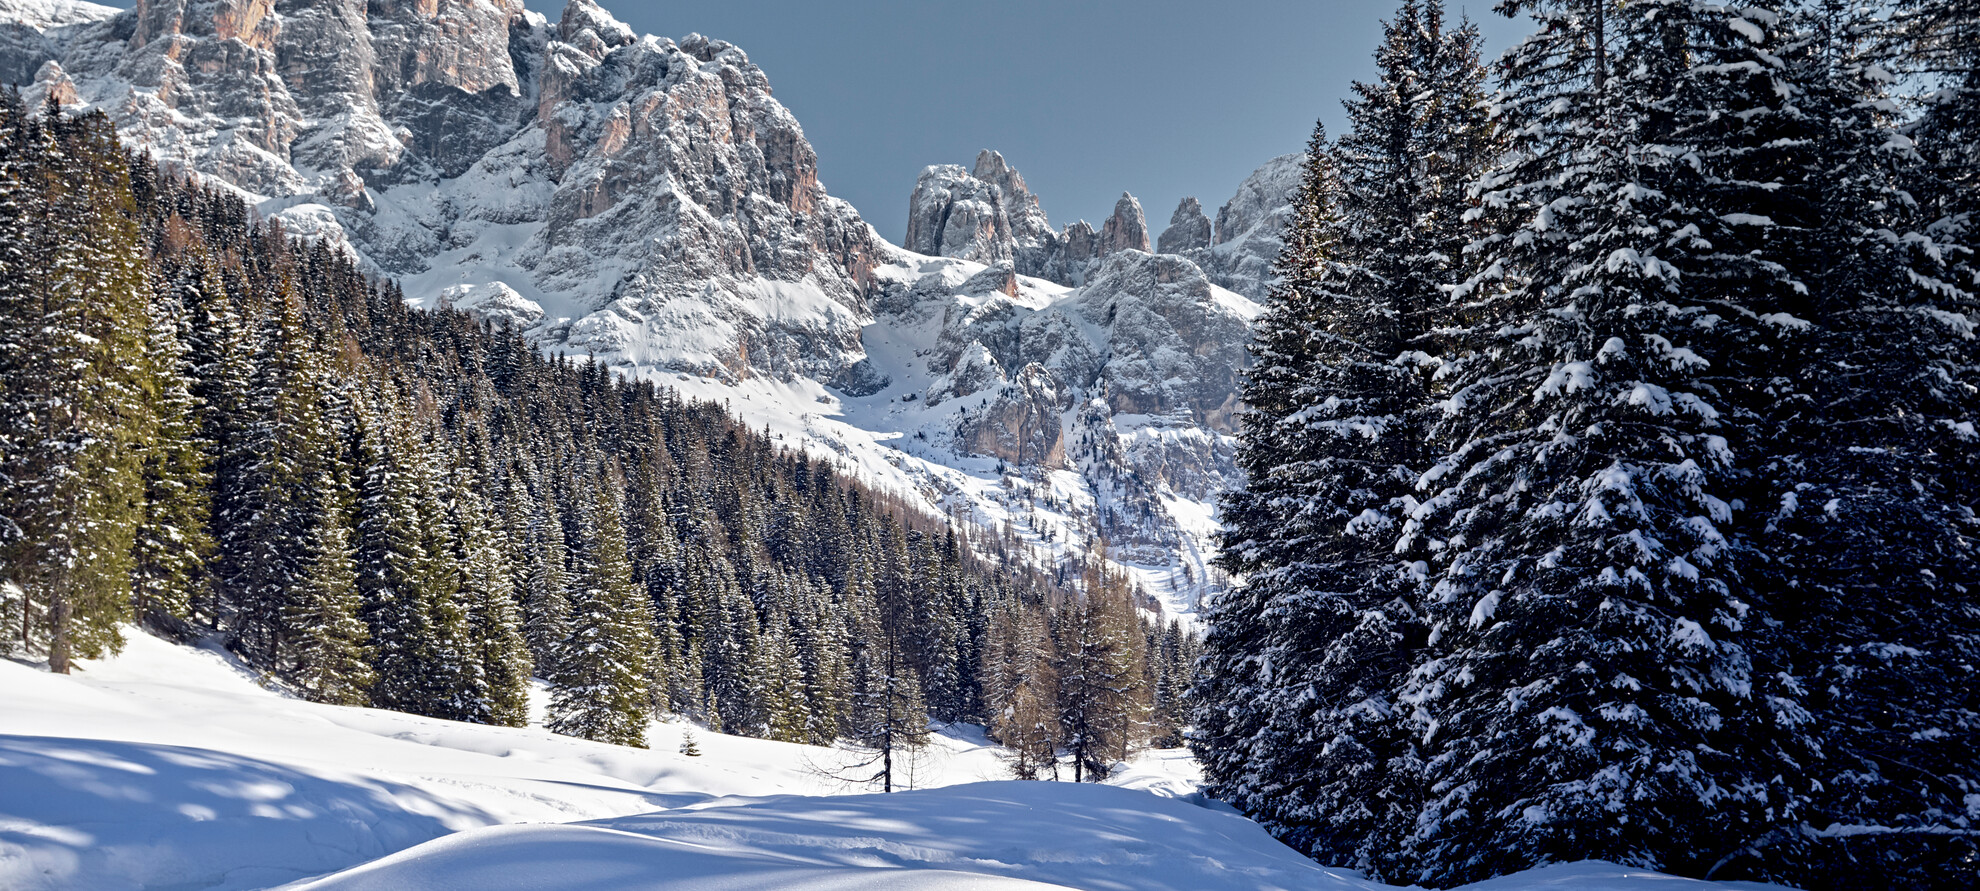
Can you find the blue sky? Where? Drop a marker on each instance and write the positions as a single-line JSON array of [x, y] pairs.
[[1088, 98]]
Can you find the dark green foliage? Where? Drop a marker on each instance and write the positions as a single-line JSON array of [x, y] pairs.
[[74, 380], [1683, 578], [383, 505], [601, 678]]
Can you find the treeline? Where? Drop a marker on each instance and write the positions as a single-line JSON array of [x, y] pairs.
[[1611, 457], [217, 429]]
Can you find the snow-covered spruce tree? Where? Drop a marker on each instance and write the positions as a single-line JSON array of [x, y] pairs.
[[546, 592], [599, 690], [888, 718], [1020, 689], [822, 652], [786, 713], [327, 659], [1333, 444], [1864, 505], [728, 670], [1234, 738], [1588, 686], [73, 294], [488, 593], [173, 544], [420, 644], [281, 458], [1937, 44]]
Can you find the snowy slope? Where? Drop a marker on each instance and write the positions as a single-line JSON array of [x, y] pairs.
[[170, 767], [650, 203]]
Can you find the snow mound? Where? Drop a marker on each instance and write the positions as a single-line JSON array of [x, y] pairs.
[[1008, 834]]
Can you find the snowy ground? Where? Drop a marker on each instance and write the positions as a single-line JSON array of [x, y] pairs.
[[170, 767]]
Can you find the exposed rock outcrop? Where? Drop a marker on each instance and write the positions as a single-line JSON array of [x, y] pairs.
[[1188, 229], [51, 83], [1246, 242], [648, 192], [986, 214], [954, 214], [1021, 424], [1030, 232], [1126, 230]]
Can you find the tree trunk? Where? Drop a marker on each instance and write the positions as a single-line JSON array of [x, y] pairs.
[[58, 637]]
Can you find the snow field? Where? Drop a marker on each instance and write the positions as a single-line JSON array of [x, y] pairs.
[[171, 767]]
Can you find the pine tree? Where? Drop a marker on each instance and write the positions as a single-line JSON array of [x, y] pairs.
[[546, 604], [887, 718], [730, 654], [74, 406], [1588, 686], [1101, 700], [600, 686], [494, 622], [173, 544], [822, 655], [1866, 491], [786, 715], [277, 464], [1021, 687], [1230, 728], [327, 660], [417, 631], [1335, 439]]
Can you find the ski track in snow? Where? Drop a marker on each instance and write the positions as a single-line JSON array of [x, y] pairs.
[[171, 767]]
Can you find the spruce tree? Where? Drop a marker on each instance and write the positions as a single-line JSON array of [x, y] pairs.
[[1335, 439], [494, 623], [1021, 688], [412, 653], [1231, 728], [786, 712], [327, 660], [546, 599], [74, 301], [1588, 686], [1101, 697], [1865, 496], [174, 543], [599, 690]]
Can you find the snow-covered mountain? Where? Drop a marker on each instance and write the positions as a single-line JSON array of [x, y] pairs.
[[649, 202]]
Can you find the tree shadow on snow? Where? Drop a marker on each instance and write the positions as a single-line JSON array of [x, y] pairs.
[[87, 813]]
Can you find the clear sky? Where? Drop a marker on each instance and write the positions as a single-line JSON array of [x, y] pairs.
[[1088, 98]]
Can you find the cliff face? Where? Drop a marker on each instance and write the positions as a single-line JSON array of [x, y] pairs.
[[650, 203], [652, 196], [1083, 352]]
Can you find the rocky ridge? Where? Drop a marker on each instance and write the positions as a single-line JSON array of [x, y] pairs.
[[649, 202]]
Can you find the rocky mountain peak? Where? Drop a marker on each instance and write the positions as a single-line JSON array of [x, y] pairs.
[[953, 213], [1029, 228], [1188, 228], [1126, 230], [581, 16]]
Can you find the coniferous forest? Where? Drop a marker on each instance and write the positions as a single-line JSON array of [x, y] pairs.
[[1610, 457], [235, 436]]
